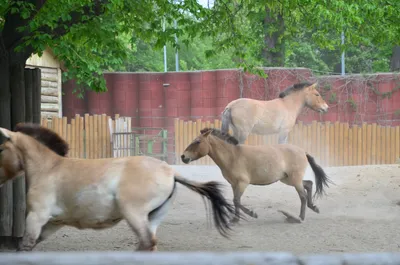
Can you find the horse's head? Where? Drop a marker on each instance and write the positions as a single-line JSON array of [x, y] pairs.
[[198, 148], [11, 162], [314, 100]]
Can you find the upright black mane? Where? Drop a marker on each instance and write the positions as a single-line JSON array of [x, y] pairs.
[[293, 88], [223, 136], [45, 136]]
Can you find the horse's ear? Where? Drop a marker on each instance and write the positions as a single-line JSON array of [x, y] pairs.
[[313, 86], [205, 134], [6, 133]]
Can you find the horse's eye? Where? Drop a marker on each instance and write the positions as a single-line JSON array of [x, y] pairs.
[[317, 95]]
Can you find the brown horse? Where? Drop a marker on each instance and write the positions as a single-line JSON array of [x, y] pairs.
[[95, 193], [245, 115], [242, 165]]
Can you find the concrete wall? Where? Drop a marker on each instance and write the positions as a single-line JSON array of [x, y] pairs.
[[197, 258]]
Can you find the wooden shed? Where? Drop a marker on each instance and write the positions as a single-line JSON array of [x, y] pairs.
[[51, 69]]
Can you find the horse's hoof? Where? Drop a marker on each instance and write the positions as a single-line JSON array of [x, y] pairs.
[[290, 218], [254, 215], [234, 221]]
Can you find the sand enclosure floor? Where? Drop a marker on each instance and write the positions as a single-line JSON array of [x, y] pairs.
[[359, 214]]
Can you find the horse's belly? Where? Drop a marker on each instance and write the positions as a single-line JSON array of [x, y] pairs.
[[91, 208], [264, 128]]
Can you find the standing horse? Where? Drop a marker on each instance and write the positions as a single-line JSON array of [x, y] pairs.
[[279, 115], [95, 193], [242, 165]]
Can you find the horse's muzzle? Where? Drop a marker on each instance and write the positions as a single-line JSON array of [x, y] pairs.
[[185, 159]]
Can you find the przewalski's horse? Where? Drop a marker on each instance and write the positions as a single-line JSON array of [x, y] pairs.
[[279, 115], [96, 193], [242, 165], [43, 135]]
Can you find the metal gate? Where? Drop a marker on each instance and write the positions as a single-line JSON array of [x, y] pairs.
[[141, 141]]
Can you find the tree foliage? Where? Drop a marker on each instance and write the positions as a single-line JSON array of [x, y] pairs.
[[92, 36]]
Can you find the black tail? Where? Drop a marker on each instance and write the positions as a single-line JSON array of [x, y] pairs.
[[222, 210], [321, 179], [226, 120]]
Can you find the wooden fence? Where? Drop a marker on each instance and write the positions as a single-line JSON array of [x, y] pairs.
[[332, 144], [88, 136]]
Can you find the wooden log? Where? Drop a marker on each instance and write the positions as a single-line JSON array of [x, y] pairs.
[[49, 84], [49, 107], [49, 70], [48, 114], [49, 91], [49, 99]]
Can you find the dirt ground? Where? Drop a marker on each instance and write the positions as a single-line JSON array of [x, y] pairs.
[[359, 214]]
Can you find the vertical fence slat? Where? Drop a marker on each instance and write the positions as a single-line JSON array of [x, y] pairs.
[[73, 139], [369, 142], [364, 143], [397, 143], [359, 146], [373, 144], [392, 145], [388, 145], [378, 145], [383, 145], [350, 146], [345, 160]]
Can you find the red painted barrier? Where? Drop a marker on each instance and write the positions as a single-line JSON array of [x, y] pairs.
[[203, 95]]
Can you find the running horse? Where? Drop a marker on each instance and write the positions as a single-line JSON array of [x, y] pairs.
[[243, 165], [279, 115], [95, 193]]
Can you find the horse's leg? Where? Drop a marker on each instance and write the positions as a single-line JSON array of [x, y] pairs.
[[47, 230], [283, 136], [308, 186], [35, 220], [238, 189], [138, 221], [303, 198], [157, 216], [240, 135]]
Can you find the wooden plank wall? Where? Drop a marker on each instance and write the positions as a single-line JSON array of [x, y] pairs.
[[332, 144], [50, 92]]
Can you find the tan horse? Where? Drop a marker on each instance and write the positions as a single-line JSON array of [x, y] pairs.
[[242, 165], [96, 193], [245, 115]]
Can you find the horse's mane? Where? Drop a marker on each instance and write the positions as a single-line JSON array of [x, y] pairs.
[[223, 136], [293, 88], [45, 136]]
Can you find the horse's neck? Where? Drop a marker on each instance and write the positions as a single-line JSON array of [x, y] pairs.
[[294, 103], [37, 158], [222, 153]]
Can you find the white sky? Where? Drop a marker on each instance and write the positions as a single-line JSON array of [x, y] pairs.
[[204, 2]]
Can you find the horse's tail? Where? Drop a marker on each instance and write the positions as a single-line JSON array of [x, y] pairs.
[[226, 120], [222, 210], [321, 179]]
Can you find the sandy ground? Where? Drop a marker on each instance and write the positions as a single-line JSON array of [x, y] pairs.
[[359, 214]]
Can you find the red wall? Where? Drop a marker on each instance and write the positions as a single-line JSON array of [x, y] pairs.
[[204, 94]]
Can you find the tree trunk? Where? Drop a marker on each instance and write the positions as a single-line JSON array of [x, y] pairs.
[[6, 192], [395, 61], [17, 86], [273, 53]]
